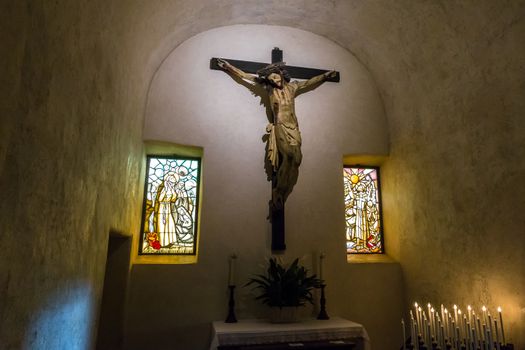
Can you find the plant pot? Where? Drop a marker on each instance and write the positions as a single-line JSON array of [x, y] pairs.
[[285, 314]]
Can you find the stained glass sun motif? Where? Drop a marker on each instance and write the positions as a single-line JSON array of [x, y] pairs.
[[362, 210], [170, 206]]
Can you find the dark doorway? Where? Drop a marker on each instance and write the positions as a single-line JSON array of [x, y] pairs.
[[111, 322]]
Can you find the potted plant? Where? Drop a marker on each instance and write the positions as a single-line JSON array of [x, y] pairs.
[[284, 289]]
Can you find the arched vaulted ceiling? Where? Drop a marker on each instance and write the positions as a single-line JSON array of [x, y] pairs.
[[405, 44]]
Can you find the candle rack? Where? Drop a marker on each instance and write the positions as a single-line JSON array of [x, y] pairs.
[[231, 307], [323, 315], [443, 330], [409, 345]]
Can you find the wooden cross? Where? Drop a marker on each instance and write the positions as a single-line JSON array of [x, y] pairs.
[[277, 56], [277, 214]]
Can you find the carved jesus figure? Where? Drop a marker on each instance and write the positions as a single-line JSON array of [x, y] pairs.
[[284, 138]]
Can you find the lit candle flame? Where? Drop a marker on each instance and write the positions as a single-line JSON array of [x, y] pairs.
[[484, 308], [469, 308], [499, 308], [459, 312], [415, 304], [455, 307]]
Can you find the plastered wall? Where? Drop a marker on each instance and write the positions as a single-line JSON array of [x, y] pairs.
[[453, 184], [69, 162], [173, 305]]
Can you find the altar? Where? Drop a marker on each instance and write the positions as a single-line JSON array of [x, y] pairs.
[[335, 333]]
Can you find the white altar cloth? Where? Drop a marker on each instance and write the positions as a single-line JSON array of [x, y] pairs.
[[249, 332]]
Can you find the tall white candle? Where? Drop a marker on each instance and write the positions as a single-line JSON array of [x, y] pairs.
[[417, 313], [458, 342], [469, 309], [404, 335], [489, 323], [497, 334], [231, 274], [420, 325], [412, 330], [485, 337], [429, 337], [475, 337], [445, 322], [321, 258], [501, 324], [442, 337], [459, 324], [480, 330], [455, 313], [484, 309], [432, 322]]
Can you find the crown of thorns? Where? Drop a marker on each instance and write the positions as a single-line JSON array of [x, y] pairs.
[[271, 68], [277, 68]]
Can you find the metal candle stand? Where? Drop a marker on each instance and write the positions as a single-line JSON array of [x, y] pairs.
[[231, 307], [322, 313], [409, 345]]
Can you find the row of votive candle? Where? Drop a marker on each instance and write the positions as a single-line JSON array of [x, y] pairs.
[[454, 329]]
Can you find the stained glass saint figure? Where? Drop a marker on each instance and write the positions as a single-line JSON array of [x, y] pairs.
[[362, 210], [170, 208]]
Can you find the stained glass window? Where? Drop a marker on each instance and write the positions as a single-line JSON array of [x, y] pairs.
[[171, 205], [364, 232]]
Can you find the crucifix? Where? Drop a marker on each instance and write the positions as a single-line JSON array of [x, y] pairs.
[[283, 138]]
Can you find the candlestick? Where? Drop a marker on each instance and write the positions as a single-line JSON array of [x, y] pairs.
[[231, 307], [501, 324], [323, 315]]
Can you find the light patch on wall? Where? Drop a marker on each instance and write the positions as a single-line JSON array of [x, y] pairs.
[[64, 322]]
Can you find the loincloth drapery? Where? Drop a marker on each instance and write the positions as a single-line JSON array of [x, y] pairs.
[[292, 137]]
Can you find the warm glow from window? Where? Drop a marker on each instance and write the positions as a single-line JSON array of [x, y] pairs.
[[364, 232], [170, 206]]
